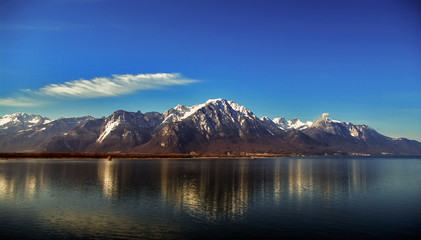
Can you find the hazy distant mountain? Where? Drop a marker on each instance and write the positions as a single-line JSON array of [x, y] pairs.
[[21, 132], [21, 121], [216, 126], [290, 124], [350, 138]]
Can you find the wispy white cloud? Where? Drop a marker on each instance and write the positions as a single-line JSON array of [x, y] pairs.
[[21, 101], [99, 87], [113, 86]]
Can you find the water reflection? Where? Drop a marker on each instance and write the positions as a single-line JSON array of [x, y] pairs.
[[214, 189], [24, 184], [108, 176], [144, 198], [209, 189], [203, 187], [299, 178], [206, 189]]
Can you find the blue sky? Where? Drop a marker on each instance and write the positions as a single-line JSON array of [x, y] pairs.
[[358, 60]]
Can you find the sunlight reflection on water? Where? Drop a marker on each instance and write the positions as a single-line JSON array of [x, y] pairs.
[[192, 198]]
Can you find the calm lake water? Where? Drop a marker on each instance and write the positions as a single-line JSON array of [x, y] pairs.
[[346, 198]]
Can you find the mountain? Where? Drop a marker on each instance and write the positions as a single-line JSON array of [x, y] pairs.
[[21, 132], [217, 126], [120, 132], [349, 138], [21, 121], [283, 124]]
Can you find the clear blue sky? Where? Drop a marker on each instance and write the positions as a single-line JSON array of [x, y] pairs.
[[358, 60]]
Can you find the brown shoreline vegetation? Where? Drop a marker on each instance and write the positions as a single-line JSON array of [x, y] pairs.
[[109, 156], [83, 155]]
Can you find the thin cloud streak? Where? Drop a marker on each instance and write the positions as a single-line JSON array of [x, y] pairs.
[[99, 87], [113, 86], [21, 101]]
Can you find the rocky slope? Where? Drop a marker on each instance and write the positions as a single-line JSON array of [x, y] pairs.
[[120, 132], [217, 126]]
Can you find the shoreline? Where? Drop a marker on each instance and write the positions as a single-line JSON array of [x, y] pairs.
[[79, 155], [84, 155]]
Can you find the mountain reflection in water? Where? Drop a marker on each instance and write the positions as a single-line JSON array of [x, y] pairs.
[[167, 198]]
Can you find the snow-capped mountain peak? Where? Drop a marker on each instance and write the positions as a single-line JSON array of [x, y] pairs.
[[180, 112], [266, 119], [240, 109], [325, 117], [22, 119], [281, 123], [296, 123], [215, 126], [326, 124]]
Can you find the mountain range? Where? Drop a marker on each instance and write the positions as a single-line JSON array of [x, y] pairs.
[[217, 126]]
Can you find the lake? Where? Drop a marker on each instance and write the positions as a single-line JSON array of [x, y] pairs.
[[269, 198]]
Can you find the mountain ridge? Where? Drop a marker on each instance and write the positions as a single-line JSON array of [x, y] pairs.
[[217, 126]]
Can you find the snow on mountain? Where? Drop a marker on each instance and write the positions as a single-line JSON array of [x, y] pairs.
[[357, 131], [127, 125], [240, 109], [267, 120], [180, 112], [347, 137], [325, 117], [108, 128], [30, 132], [213, 116], [22, 120], [328, 125], [281, 123], [295, 123], [7, 119], [216, 126]]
